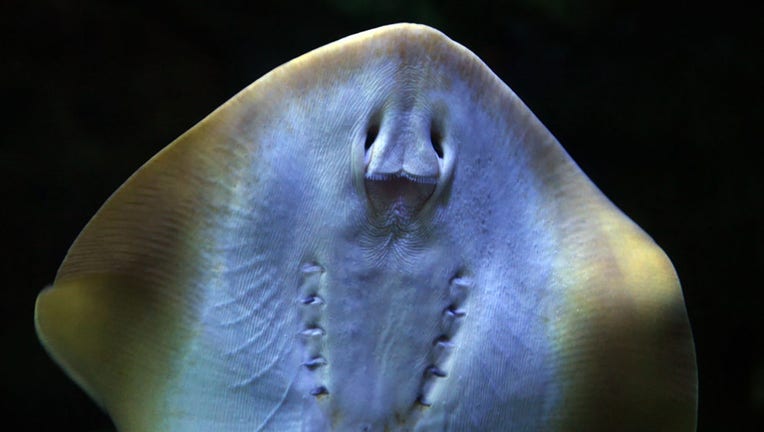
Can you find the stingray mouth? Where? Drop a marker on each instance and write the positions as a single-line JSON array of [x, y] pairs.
[[400, 195]]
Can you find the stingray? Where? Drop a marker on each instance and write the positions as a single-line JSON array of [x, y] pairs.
[[378, 235]]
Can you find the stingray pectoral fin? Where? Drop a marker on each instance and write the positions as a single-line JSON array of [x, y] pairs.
[[113, 338], [627, 357], [123, 308]]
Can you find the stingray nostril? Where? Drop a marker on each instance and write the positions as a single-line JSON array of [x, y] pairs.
[[436, 139], [371, 134]]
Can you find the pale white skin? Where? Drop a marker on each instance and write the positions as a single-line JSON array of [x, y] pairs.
[[376, 236]]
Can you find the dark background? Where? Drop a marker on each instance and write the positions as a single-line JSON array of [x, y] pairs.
[[659, 102]]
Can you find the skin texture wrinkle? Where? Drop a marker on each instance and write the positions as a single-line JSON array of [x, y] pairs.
[[378, 235]]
